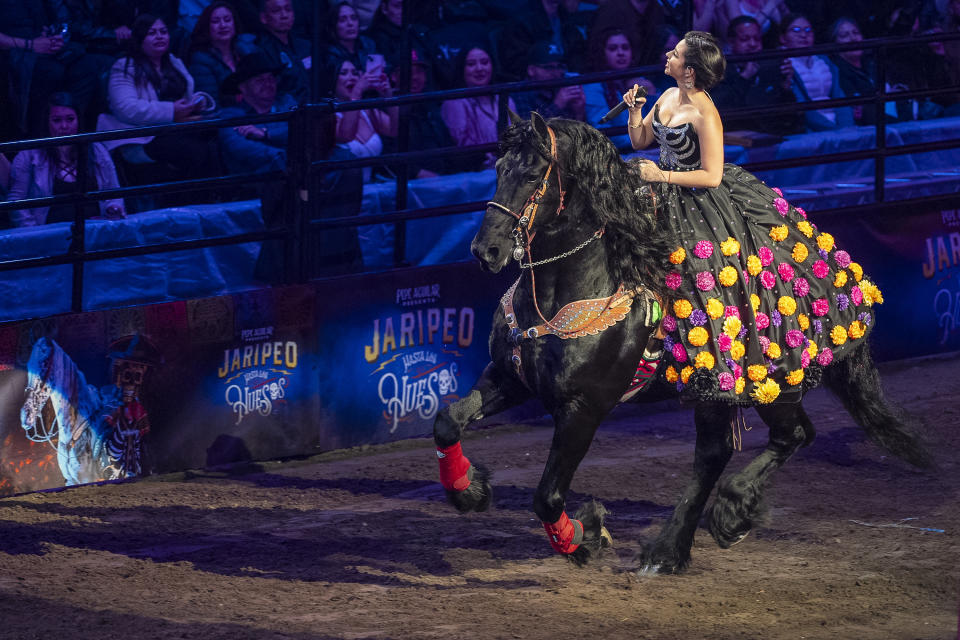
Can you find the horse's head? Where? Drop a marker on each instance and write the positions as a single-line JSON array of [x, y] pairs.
[[38, 388], [528, 197]]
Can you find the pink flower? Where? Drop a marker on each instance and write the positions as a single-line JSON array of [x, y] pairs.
[[825, 357], [674, 280], [705, 281], [763, 321], [725, 381], [777, 191], [782, 206], [856, 294], [801, 287], [731, 312], [785, 271], [820, 269], [679, 353], [801, 211], [766, 256], [842, 258], [767, 279], [821, 307], [737, 371], [794, 338], [704, 249], [724, 342], [764, 343], [804, 358], [669, 324]]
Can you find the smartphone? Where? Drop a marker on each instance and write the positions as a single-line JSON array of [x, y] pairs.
[[375, 64]]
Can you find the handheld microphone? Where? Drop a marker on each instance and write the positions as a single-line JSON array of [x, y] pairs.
[[620, 108]]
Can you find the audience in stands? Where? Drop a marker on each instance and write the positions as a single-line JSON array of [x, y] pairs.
[[216, 44], [386, 31], [359, 131], [639, 20], [284, 48], [474, 120], [54, 171], [767, 13], [539, 20], [345, 41], [856, 70], [547, 62]]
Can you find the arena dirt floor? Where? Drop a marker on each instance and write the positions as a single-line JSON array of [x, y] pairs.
[[361, 544]]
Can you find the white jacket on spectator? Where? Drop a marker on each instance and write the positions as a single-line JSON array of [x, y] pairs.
[[134, 105], [31, 176]]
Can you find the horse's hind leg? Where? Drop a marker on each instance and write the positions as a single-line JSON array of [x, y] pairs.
[[739, 503], [468, 485], [670, 552]]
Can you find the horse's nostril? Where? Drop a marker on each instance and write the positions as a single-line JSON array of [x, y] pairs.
[[493, 253]]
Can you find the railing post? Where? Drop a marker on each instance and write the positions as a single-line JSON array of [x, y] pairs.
[[403, 138], [79, 229], [297, 194]]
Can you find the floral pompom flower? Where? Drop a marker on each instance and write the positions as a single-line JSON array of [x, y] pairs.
[[754, 301], [871, 294], [805, 228], [757, 372], [774, 351], [682, 308], [824, 241], [856, 330], [794, 338], [705, 281], [766, 392], [857, 271], [671, 374], [785, 271], [825, 357], [777, 191], [698, 318], [763, 320], [731, 311], [737, 350], [724, 342], [739, 386], [679, 353], [729, 246], [704, 360], [786, 305], [801, 287], [839, 335], [768, 280], [754, 266], [678, 256], [856, 294], [804, 358], [728, 276], [821, 269], [795, 377], [842, 258], [764, 343], [685, 374], [714, 308], [812, 349], [766, 256], [703, 249], [673, 280], [725, 381], [731, 326], [800, 252], [782, 206], [669, 323], [821, 307], [778, 233], [801, 211], [698, 336], [803, 321], [840, 279]]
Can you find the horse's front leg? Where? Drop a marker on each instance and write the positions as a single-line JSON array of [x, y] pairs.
[[583, 536], [670, 551], [468, 485]]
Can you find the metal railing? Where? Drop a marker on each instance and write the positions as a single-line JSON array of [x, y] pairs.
[[300, 219]]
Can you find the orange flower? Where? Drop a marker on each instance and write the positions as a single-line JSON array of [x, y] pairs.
[[704, 360], [678, 256]]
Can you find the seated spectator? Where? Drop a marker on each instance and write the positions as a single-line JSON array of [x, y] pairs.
[[856, 70], [546, 62], [474, 120], [285, 49], [706, 16], [152, 86], [359, 130], [215, 47], [539, 20], [639, 20], [755, 84], [344, 41], [385, 31], [611, 50], [815, 77], [767, 13], [932, 72], [255, 147], [54, 171]]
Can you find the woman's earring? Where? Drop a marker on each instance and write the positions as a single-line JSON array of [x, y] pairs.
[[688, 84]]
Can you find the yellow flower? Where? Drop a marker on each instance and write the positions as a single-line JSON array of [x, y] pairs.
[[737, 350], [779, 233], [671, 374], [813, 349], [757, 372], [754, 302], [698, 336], [740, 384], [682, 308], [841, 279], [839, 335], [805, 228], [773, 351], [731, 326], [856, 330], [871, 294], [704, 360], [766, 392], [857, 271], [795, 377], [754, 266], [714, 308], [729, 247], [803, 320], [678, 256], [685, 374], [786, 305], [800, 252], [825, 241], [728, 276]]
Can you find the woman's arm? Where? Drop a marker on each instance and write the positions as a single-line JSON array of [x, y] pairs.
[[639, 127], [126, 103], [710, 132], [21, 172]]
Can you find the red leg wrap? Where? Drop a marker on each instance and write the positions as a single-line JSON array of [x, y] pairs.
[[565, 534], [453, 468]]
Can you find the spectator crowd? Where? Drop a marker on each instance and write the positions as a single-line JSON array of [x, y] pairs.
[[71, 66]]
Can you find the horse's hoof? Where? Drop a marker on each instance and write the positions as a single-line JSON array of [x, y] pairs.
[[739, 538], [477, 496], [606, 540]]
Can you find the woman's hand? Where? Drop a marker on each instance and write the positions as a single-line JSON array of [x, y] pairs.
[[251, 132], [650, 172], [184, 110], [634, 102], [47, 44]]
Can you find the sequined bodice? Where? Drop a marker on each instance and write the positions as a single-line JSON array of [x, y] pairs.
[[679, 146]]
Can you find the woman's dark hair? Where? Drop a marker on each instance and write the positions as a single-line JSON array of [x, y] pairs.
[[789, 19], [66, 99], [835, 26], [597, 46], [461, 63], [200, 38], [143, 70], [704, 56], [736, 22], [333, 16], [329, 75]]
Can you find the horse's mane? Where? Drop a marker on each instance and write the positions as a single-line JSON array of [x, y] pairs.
[[616, 196]]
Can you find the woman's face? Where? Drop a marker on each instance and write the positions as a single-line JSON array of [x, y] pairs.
[[392, 11], [848, 32], [347, 79], [157, 41], [617, 52], [799, 34], [222, 27], [62, 121], [348, 24], [477, 69], [676, 66]]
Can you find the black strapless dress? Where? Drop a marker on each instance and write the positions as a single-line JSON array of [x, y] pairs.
[[763, 299]]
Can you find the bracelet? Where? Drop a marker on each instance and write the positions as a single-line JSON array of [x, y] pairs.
[[635, 126]]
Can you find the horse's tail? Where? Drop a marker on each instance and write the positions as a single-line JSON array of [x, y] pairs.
[[856, 382]]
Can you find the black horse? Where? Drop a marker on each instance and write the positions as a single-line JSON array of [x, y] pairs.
[[583, 225]]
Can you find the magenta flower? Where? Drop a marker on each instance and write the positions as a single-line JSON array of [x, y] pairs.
[[856, 294], [825, 357], [821, 307], [766, 256], [737, 371], [705, 281], [764, 343], [794, 338], [763, 321], [767, 279], [804, 358], [801, 287], [801, 211], [782, 206], [679, 353], [724, 342], [669, 324], [842, 258], [777, 191], [731, 311], [820, 269], [785, 271], [674, 280], [704, 249], [726, 381]]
